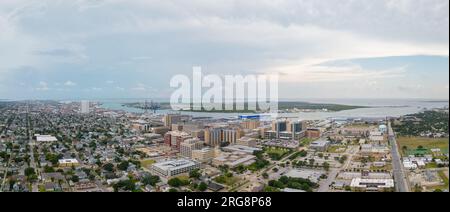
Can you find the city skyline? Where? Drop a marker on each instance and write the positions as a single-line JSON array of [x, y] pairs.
[[115, 49]]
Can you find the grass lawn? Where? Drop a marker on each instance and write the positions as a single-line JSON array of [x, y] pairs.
[[147, 163], [444, 177], [279, 151], [428, 143], [431, 166], [334, 149], [386, 167], [276, 153], [306, 141], [229, 181], [183, 177]]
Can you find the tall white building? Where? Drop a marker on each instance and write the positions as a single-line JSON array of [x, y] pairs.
[[85, 107]]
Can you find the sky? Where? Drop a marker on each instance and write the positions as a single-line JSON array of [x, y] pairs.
[[60, 49]]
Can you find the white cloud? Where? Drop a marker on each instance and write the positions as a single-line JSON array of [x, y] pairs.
[[96, 89], [70, 83], [139, 87], [313, 74], [43, 86], [285, 36]]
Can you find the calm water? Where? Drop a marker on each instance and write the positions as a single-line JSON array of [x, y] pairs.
[[379, 108]]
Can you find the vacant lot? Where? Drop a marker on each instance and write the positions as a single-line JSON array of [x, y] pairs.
[[410, 145]]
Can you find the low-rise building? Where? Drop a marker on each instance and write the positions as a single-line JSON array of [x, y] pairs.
[[313, 133], [172, 168], [372, 184], [68, 162], [45, 138], [240, 148], [320, 145], [234, 159]]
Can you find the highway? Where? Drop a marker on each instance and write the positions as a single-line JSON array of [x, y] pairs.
[[401, 182]]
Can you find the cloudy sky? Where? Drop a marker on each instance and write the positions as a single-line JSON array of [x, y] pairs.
[[61, 49]]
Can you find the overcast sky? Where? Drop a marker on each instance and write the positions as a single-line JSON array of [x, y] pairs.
[[61, 49]]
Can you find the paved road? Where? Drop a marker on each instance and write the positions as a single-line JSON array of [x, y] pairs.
[[31, 143], [2, 187], [325, 185], [401, 182]]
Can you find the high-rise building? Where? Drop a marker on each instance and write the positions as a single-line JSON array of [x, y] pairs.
[[232, 135], [213, 137], [189, 145], [251, 124], [279, 126], [204, 155], [295, 128], [85, 107], [286, 129], [175, 138]]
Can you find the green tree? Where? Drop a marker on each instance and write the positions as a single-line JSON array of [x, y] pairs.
[[75, 179], [108, 167], [151, 180], [173, 190], [202, 187], [177, 182], [195, 174], [326, 166], [123, 166], [29, 171], [48, 169]]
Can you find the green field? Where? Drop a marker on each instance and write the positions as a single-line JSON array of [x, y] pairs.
[[227, 180], [334, 149], [147, 163], [276, 153], [412, 144], [306, 141]]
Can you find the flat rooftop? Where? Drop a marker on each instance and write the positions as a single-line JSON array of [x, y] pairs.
[[241, 148], [320, 143], [45, 138], [174, 164], [68, 161]]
